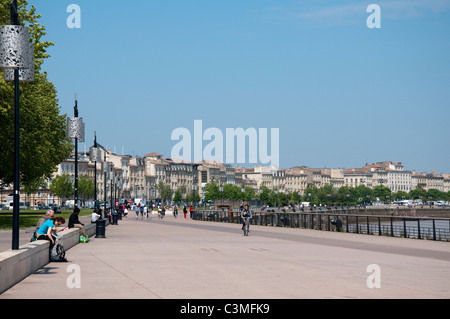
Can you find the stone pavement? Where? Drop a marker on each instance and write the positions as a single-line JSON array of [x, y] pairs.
[[186, 259]]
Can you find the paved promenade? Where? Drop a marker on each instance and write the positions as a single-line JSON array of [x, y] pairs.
[[186, 259]]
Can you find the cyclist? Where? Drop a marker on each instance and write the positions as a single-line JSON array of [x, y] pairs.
[[163, 211], [246, 214], [175, 211]]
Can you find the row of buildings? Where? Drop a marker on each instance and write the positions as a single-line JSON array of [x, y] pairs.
[[137, 177]]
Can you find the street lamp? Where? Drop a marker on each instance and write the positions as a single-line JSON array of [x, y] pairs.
[[106, 173], [194, 188], [221, 195], [112, 178], [16, 54], [276, 198], [75, 131], [95, 156]]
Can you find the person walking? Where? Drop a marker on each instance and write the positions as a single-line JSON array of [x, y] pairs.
[[141, 211], [184, 211], [136, 210]]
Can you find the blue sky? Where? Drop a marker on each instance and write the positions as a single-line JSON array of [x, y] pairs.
[[341, 94]]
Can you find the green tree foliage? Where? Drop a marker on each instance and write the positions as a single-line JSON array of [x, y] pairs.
[[435, 194], [34, 187], [165, 191], [191, 194], [247, 194], [211, 192], [85, 188], [418, 193], [326, 195], [364, 194], [382, 192], [43, 141], [177, 197], [62, 186], [231, 192], [401, 195], [265, 194]]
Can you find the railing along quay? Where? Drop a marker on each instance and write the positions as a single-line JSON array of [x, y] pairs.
[[432, 228]]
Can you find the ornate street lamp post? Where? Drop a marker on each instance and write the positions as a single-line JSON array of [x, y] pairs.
[[75, 131], [16, 55], [95, 156], [105, 170]]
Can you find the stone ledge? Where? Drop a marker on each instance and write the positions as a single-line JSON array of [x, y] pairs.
[[15, 265]]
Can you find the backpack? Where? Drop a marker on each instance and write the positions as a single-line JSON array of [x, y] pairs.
[[84, 239], [58, 253]]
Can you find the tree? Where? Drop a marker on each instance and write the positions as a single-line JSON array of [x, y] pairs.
[[264, 195], [295, 198], [43, 140], [211, 192], [165, 191], [32, 188], [178, 197], [232, 193], [283, 199], [248, 194], [183, 190], [347, 195], [62, 186], [400, 195], [85, 188], [192, 196], [326, 194], [310, 194], [435, 194], [418, 193], [382, 192], [364, 194]]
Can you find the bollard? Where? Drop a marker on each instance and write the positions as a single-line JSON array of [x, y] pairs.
[[115, 219], [100, 228]]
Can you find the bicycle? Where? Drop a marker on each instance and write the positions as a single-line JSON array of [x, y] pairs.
[[246, 225]]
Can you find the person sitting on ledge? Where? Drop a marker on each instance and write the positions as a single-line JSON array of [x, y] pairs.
[[45, 232], [48, 215], [96, 215], [74, 222]]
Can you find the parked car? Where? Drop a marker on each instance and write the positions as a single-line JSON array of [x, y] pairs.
[[21, 205]]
